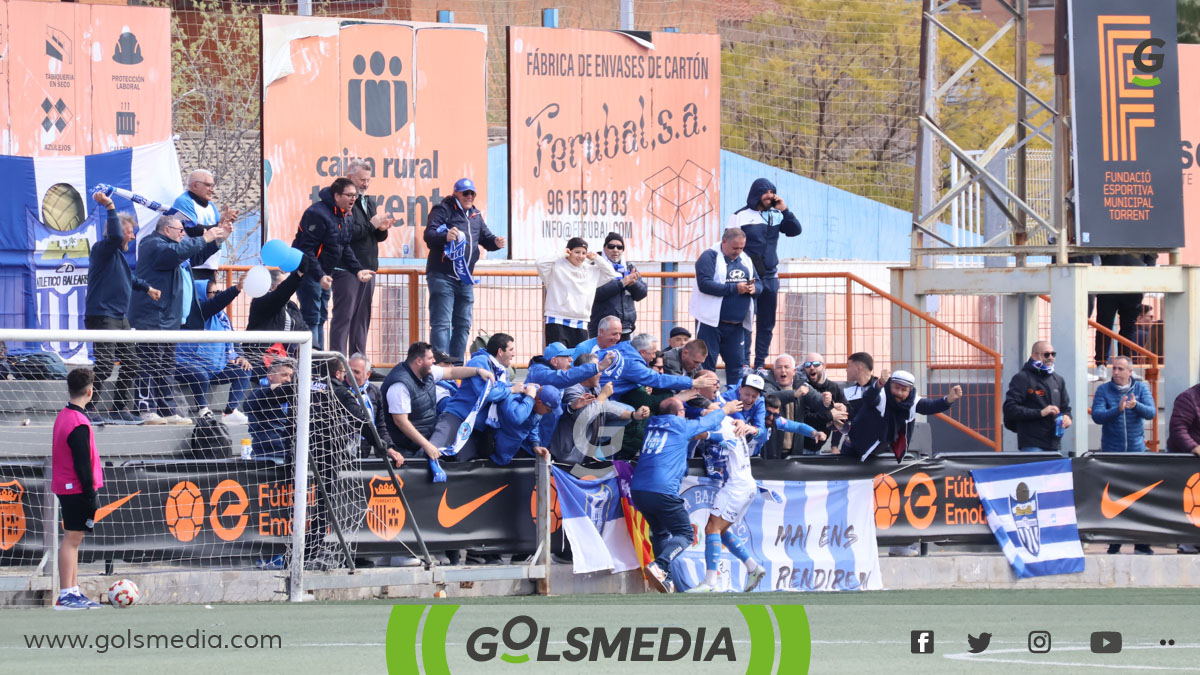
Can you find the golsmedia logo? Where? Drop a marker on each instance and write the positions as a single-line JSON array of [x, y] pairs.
[[739, 638]]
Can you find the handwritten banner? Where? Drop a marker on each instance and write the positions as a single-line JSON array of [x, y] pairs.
[[394, 94], [608, 135]]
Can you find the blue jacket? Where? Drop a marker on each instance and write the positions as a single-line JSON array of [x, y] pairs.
[[469, 223], [520, 428], [762, 229], [629, 370], [212, 356], [663, 461], [540, 372], [1122, 430], [109, 276], [756, 416], [158, 263], [588, 346], [325, 233], [463, 400]]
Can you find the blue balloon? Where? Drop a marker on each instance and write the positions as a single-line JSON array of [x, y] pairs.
[[273, 252], [291, 260]]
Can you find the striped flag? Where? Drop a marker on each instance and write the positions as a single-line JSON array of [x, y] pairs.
[[594, 523], [48, 223], [1031, 510], [635, 522]]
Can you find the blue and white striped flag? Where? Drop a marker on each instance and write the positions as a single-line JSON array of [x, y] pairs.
[[48, 223], [594, 522], [1031, 510]]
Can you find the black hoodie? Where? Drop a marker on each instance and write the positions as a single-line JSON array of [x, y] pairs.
[[1029, 392]]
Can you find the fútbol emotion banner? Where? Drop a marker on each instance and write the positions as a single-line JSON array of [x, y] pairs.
[[613, 131]]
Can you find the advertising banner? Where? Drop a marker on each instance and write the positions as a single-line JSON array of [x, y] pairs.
[[1125, 113], [82, 79], [1189, 131], [614, 132], [408, 98]]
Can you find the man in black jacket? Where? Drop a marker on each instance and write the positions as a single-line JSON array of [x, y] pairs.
[[325, 235], [798, 402], [883, 425], [275, 311], [1037, 397], [616, 297], [352, 297], [454, 232], [832, 397]]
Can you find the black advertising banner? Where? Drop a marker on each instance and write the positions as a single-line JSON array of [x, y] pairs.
[[1125, 116], [213, 511]]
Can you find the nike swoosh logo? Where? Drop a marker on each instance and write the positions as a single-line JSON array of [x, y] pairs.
[[1112, 508], [449, 517], [106, 510]]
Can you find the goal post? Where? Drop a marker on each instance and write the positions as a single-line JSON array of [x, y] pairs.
[[177, 497]]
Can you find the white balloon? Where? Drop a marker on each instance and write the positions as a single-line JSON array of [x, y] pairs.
[[258, 281]]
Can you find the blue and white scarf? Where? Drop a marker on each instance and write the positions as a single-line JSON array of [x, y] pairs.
[[459, 254], [619, 266], [500, 376]]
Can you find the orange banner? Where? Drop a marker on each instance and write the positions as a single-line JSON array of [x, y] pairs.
[[1189, 123], [83, 79], [609, 134], [395, 94]]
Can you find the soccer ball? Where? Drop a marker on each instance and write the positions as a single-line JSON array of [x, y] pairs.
[[123, 594], [887, 501], [1191, 499]]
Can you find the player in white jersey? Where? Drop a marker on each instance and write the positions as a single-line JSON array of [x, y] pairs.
[[728, 459]]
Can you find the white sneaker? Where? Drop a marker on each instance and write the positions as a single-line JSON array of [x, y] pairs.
[[153, 418], [204, 412], [753, 579], [657, 578], [1093, 378], [703, 587], [176, 419], [909, 551], [235, 417]]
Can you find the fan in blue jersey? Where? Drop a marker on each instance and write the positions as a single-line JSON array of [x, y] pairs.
[[656, 479]]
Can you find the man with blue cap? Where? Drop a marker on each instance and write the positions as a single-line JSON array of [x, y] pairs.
[[521, 419], [454, 232], [554, 367]]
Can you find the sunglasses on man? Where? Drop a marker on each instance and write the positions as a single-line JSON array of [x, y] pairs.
[[615, 247], [813, 364]]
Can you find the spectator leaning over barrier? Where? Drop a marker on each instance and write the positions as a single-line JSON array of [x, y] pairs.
[[111, 282], [591, 422], [553, 366], [1037, 406], [493, 360], [410, 390], [644, 397], [1121, 406], [617, 296], [324, 233], [722, 301], [763, 218], [521, 421], [202, 364], [608, 333], [163, 262], [454, 232], [883, 425], [272, 412], [687, 359], [352, 296], [629, 369], [275, 311], [833, 398], [571, 282], [197, 205], [678, 337], [799, 403]]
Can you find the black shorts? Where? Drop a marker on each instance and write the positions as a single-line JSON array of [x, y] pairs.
[[78, 513]]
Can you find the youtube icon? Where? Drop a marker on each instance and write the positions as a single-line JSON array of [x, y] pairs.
[[1106, 642]]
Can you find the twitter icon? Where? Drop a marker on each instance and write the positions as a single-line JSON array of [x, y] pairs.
[[978, 644]]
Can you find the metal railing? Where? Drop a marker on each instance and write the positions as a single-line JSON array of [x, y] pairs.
[[834, 314]]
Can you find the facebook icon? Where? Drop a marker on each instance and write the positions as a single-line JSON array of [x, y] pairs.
[[922, 642]]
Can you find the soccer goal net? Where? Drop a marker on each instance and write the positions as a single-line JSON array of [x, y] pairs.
[[201, 435]]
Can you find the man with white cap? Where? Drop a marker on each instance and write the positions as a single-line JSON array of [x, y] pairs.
[[884, 422]]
